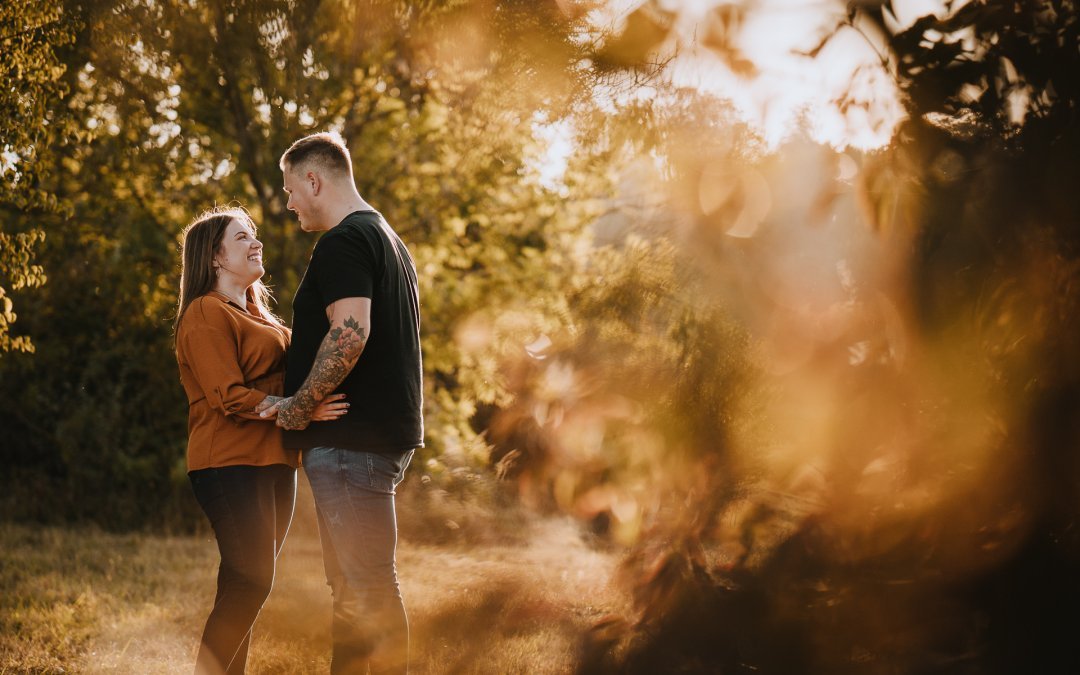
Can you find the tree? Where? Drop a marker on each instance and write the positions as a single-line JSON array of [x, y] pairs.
[[989, 157], [952, 550], [30, 33], [184, 106], [16, 256]]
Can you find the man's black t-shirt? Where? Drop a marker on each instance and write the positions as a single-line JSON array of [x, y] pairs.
[[363, 258]]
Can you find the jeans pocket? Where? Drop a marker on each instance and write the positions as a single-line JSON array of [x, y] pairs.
[[387, 470]]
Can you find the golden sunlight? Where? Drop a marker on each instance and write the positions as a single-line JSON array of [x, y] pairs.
[[771, 59]]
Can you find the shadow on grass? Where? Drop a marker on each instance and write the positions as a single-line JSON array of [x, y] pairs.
[[500, 624]]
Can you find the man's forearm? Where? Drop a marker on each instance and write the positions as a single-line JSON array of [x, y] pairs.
[[337, 355]]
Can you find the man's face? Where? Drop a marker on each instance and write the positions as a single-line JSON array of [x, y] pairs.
[[300, 189]]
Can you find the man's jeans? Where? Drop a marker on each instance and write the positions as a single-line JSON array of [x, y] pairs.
[[354, 501]]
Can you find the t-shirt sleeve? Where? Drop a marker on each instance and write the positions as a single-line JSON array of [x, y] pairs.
[[344, 268]]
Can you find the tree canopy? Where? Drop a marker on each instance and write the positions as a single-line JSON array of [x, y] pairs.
[[32, 72], [180, 106]]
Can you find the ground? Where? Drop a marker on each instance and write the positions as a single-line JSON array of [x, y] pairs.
[[81, 600]]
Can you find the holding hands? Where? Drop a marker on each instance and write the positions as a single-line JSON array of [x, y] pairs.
[[289, 416]]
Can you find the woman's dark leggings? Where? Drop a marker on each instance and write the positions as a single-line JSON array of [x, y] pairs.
[[250, 508]]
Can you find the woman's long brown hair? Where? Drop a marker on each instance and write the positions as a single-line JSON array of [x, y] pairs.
[[201, 241]]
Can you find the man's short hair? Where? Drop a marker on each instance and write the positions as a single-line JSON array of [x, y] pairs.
[[326, 149]]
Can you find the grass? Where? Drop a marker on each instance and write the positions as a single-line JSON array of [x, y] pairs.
[[65, 594], [84, 601]]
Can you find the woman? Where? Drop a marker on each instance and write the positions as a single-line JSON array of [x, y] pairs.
[[231, 352]]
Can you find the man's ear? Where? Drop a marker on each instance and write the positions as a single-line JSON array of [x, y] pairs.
[[316, 182]]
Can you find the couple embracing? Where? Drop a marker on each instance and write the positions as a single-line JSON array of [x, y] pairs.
[[342, 391]]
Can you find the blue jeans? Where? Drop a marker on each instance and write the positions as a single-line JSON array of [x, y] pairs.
[[250, 509], [354, 502]]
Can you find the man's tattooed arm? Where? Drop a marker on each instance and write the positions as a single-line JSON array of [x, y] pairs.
[[336, 357]]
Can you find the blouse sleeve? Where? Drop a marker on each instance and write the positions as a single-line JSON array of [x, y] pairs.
[[211, 354]]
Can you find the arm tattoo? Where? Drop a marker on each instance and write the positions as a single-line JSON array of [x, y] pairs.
[[337, 355], [267, 403]]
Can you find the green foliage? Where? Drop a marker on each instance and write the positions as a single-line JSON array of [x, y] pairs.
[[91, 412], [16, 256], [180, 106], [31, 31]]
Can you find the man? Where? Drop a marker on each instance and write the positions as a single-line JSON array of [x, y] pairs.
[[356, 320]]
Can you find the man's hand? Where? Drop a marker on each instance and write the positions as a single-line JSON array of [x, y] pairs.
[[330, 408], [291, 416]]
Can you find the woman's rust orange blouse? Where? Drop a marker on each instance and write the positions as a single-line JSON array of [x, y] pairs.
[[230, 360]]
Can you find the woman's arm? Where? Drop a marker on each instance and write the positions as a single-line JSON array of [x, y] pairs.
[[210, 354]]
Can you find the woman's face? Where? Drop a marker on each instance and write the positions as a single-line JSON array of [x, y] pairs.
[[240, 254]]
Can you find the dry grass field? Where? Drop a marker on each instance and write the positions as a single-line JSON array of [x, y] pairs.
[[83, 601]]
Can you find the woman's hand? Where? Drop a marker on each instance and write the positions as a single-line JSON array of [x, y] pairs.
[[330, 408]]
